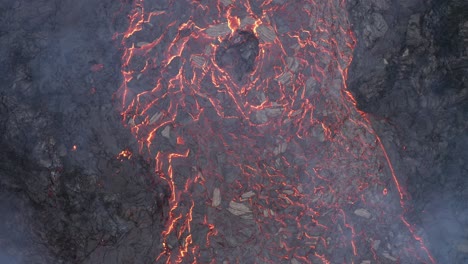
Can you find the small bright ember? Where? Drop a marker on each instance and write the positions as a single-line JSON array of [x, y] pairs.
[[244, 108], [74, 148], [180, 141], [385, 191], [124, 154]]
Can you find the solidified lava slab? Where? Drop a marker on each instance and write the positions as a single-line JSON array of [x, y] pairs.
[[237, 53]]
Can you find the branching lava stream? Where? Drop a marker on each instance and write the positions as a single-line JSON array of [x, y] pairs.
[[244, 107]]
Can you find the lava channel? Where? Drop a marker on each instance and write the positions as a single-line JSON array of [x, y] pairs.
[[244, 108]]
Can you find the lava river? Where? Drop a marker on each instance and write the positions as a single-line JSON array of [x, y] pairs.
[[243, 108]]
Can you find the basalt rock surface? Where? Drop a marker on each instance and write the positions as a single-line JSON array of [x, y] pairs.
[[409, 73]]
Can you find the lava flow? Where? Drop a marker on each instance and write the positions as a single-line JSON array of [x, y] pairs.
[[244, 107]]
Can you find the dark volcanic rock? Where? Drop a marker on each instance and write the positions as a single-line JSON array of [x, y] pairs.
[[66, 198], [237, 54], [412, 79]]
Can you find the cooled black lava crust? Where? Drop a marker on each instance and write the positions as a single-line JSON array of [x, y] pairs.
[[237, 53]]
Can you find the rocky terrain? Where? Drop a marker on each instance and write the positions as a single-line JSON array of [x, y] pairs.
[[68, 191], [410, 73], [74, 189]]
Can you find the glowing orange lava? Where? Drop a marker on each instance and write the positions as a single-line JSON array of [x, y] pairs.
[[124, 154], [279, 167]]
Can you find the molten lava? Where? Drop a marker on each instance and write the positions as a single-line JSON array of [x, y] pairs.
[[244, 107]]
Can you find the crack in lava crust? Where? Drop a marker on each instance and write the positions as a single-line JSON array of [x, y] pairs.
[[278, 168]]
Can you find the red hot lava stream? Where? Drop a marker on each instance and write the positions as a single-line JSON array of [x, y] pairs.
[[244, 107]]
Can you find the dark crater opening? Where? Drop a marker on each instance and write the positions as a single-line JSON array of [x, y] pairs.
[[237, 52]]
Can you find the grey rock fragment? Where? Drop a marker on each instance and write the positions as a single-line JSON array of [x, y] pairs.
[[375, 29]]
